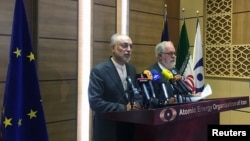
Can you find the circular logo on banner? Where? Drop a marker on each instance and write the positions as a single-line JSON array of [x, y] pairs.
[[168, 114]]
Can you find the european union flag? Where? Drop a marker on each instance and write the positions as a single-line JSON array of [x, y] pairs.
[[22, 113], [164, 35]]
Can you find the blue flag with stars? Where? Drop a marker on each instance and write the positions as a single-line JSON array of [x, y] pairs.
[[22, 114], [164, 35]]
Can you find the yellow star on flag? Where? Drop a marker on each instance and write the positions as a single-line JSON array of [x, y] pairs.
[[31, 56], [7, 122], [17, 52], [32, 114]]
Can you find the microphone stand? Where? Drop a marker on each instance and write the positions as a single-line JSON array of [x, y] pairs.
[[130, 97], [132, 90]]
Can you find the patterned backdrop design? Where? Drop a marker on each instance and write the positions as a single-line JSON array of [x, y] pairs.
[[222, 59]]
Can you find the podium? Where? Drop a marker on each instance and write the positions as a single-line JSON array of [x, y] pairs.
[[178, 122]]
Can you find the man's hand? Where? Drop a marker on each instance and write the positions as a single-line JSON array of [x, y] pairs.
[[136, 106]]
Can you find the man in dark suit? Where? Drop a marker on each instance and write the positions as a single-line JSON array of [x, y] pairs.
[[107, 91], [166, 58]]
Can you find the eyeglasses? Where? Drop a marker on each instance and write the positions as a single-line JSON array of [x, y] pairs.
[[169, 53], [125, 45]]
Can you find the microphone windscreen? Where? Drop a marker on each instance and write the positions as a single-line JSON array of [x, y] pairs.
[[174, 71], [148, 74], [156, 75], [167, 74]]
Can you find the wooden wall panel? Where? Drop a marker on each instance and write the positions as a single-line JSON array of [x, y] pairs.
[[59, 100], [105, 2], [148, 6], [104, 26], [240, 22], [57, 66], [101, 52], [173, 12], [104, 23], [241, 30], [6, 16], [64, 131], [144, 30], [58, 19], [4, 56], [57, 59], [2, 87], [174, 8], [241, 6], [143, 56], [154, 10], [173, 30], [191, 6]]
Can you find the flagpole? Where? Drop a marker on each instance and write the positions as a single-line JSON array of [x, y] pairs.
[[197, 13], [197, 16], [165, 12], [164, 35], [183, 16]]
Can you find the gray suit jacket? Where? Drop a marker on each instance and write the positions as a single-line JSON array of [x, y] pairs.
[[106, 94]]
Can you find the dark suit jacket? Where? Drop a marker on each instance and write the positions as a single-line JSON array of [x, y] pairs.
[[106, 94], [157, 84]]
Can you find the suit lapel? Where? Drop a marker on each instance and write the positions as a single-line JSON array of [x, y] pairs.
[[113, 74]]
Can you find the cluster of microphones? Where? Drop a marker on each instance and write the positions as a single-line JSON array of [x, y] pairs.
[[147, 81]]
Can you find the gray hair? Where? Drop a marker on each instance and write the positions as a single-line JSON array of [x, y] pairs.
[[161, 46], [117, 37], [114, 39]]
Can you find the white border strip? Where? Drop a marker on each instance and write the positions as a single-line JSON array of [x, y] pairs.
[[84, 59]]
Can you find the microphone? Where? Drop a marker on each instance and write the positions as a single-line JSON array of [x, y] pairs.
[[169, 77], [158, 79], [142, 81], [178, 79], [150, 77], [134, 90]]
